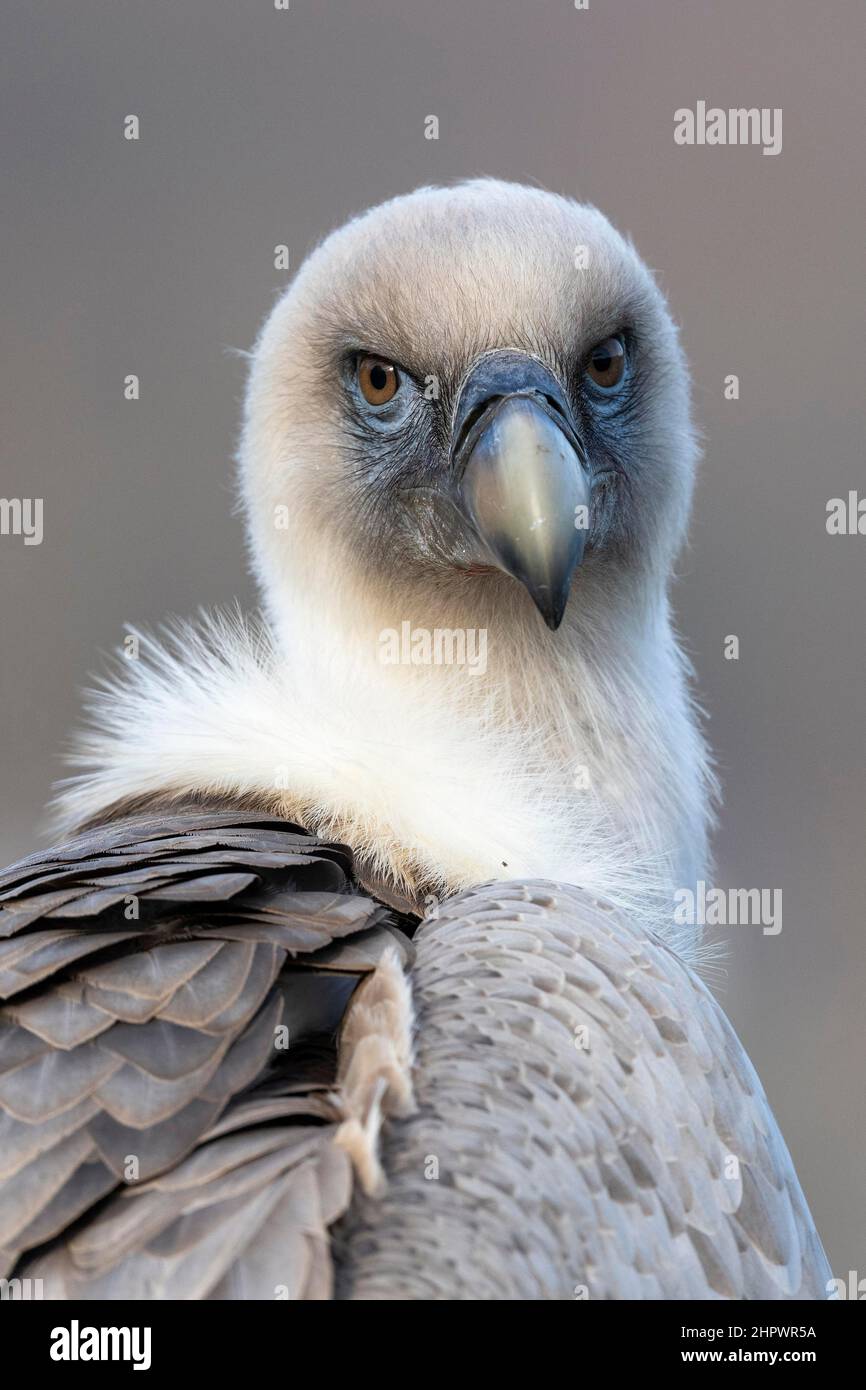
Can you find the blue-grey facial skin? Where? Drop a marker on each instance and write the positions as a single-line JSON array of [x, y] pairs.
[[402, 451]]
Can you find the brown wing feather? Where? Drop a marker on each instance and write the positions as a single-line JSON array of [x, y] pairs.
[[156, 1139]]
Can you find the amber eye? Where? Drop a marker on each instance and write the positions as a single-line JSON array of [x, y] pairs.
[[377, 379], [607, 363]]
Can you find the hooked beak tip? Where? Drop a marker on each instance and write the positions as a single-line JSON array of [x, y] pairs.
[[554, 619], [522, 485], [551, 603]]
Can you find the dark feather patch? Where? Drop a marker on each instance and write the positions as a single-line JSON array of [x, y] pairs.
[[173, 985]]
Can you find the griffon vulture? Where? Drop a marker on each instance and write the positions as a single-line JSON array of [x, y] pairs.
[[232, 1063]]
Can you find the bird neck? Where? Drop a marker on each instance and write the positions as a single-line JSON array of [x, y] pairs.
[[509, 749], [571, 756]]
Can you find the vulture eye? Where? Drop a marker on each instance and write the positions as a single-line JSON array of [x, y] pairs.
[[377, 379], [607, 363]]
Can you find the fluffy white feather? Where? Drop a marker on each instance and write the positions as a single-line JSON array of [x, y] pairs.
[[432, 796]]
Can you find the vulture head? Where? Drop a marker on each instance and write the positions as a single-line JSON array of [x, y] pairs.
[[475, 393], [466, 468]]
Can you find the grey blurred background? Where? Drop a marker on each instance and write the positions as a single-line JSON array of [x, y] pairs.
[[261, 127]]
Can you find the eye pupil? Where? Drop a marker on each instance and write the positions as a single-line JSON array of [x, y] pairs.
[[607, 363], [377, 379]]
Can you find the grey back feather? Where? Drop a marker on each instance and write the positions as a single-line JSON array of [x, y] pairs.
[[587, 1123]]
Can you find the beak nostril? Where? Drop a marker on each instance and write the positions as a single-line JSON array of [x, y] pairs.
[[472, 418], [496, 379], [555, 405]]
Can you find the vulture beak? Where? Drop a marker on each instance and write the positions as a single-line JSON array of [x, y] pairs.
[[518, 470]]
